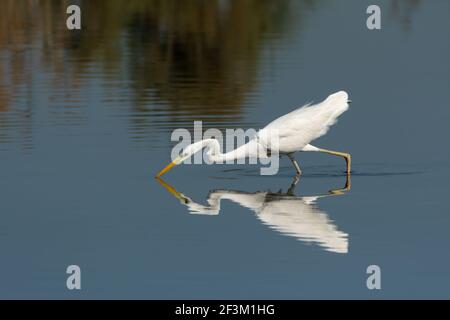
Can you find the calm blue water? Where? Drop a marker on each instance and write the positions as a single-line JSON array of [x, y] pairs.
[[85, 123]]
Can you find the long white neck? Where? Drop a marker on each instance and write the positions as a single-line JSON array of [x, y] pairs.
[[249, 149]]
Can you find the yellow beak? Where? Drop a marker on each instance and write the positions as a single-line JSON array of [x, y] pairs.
[[174, 192], [167, 168]]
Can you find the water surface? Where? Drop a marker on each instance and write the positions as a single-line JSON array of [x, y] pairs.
[[85, 123]]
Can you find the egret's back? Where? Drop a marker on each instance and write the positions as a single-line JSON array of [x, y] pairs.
[[298, 128]]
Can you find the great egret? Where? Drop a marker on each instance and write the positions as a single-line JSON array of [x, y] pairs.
[[294, 130], [286, 213]]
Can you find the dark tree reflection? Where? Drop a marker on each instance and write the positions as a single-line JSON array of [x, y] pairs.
[[194, 59], [166, 61]]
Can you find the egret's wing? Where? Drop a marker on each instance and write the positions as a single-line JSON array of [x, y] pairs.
[[299, 127], [296, 218]]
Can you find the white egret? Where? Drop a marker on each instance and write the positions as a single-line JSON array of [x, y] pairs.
[[286, 213], [294, 130]]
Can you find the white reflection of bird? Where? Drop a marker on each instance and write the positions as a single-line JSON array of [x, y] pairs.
[[293, 216], [294, 132]]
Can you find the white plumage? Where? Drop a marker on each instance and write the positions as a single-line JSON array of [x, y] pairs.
[[293, 131], [297, 217], [303, 125]]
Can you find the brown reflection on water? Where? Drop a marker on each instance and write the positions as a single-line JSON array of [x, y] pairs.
[[201, 56], [158, 64], [180, 59]]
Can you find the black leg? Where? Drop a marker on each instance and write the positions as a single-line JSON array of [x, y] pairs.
[[294, 162], [291, 189]]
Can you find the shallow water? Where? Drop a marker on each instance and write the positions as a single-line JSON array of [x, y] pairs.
[[85, 123]]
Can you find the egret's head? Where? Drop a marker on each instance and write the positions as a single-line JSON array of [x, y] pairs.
[[185, 154]]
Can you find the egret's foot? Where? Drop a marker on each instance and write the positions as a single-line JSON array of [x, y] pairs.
[[348, 160], [348, 182], [346, 188], [337, 191], [291, 189]]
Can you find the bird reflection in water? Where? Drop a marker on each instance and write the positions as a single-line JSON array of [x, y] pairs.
[[286, 213]]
